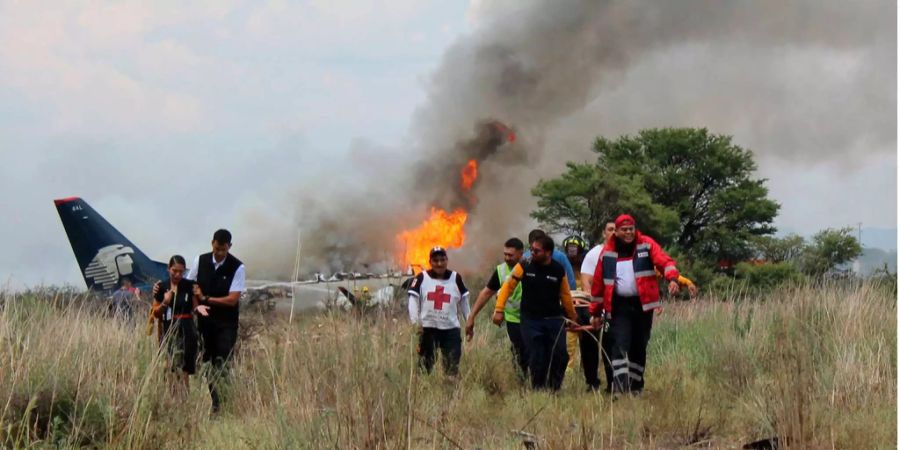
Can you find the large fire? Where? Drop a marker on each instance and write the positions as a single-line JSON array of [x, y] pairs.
[[443, 228], [440, 228]]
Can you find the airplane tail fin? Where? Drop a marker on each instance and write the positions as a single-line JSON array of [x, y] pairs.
[[104, 255]]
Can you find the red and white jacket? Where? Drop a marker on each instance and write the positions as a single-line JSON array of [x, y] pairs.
[[647, 257]]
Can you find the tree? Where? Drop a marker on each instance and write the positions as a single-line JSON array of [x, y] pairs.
[[584, 198], [686, 187], [829, 249], [776, 250]]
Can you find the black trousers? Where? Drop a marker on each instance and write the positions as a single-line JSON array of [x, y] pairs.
[[450, 344], [589, 347], [629, 332], [218, 347], [605, 356], [181, 342], [519, 350], [545, 339]]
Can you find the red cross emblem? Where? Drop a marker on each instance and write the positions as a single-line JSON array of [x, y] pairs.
[[439, 298]]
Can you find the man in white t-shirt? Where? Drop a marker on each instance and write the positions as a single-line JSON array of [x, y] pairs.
[[592, 258], [437, 297], [588, 342]]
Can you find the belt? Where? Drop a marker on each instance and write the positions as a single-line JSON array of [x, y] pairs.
[[183, 316]]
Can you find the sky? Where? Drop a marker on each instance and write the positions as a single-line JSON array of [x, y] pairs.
[[154, 112]]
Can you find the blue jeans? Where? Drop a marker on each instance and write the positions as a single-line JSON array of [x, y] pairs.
[[520, 352], [545, 339]]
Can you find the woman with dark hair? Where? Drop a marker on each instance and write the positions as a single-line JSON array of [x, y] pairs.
[[174, 305]]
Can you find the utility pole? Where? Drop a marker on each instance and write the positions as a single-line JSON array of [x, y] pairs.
[[295, 278], [859, 232]]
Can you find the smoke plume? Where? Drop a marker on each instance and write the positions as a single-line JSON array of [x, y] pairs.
[[801, 82]]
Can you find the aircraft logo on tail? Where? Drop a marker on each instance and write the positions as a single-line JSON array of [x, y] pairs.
[[104, 254], [111, 263]]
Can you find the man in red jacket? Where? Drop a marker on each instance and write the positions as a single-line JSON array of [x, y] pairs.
[[625, 290]]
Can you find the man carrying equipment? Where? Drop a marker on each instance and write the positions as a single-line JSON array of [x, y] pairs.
[[545, 300], [625, 290], [588, 266], [512, 255], [586, 341]]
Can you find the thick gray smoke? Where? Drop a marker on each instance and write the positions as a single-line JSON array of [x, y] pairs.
[[799, 82]]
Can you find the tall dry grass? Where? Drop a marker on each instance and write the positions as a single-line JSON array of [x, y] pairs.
[[814, 366]]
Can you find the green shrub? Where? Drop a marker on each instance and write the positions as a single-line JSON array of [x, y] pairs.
[[767, 276]]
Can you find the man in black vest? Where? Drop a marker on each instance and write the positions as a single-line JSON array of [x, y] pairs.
[[546, 303], [220, 280]]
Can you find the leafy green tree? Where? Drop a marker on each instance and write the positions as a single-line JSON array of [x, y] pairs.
[[584, 198], [829, 249], [775, 250], [686, 187]]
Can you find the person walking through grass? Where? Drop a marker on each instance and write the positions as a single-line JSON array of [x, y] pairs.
[[546, 303], [437, 297], [512, 255], [625, 292], [174, 304], [220, 279]]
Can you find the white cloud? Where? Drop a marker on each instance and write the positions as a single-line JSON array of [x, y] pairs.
[[67, 64]]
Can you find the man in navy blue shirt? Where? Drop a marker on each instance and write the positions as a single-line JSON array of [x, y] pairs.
[[558, 256]]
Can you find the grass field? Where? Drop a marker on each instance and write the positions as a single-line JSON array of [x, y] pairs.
[[815, 366]]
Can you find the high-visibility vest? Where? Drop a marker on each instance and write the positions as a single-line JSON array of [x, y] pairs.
[[513, 307]]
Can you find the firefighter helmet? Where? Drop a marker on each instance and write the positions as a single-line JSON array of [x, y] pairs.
[[575, 240]]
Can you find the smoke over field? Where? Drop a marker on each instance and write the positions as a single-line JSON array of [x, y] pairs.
[[799, 83]]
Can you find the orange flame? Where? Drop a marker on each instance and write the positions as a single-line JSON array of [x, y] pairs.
[[468, 174], [440, 229]]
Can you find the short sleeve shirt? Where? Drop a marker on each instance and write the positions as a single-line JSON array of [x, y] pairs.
[[494, 283], [591, 259]]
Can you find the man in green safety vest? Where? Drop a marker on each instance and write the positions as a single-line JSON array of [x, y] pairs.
[[512, 255]]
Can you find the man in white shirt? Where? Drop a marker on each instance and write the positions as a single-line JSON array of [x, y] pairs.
[[592, 258], [437, 297], [220, 279], [588, 342]]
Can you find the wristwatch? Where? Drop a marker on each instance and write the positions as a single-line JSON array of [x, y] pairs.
[[204, 299]]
